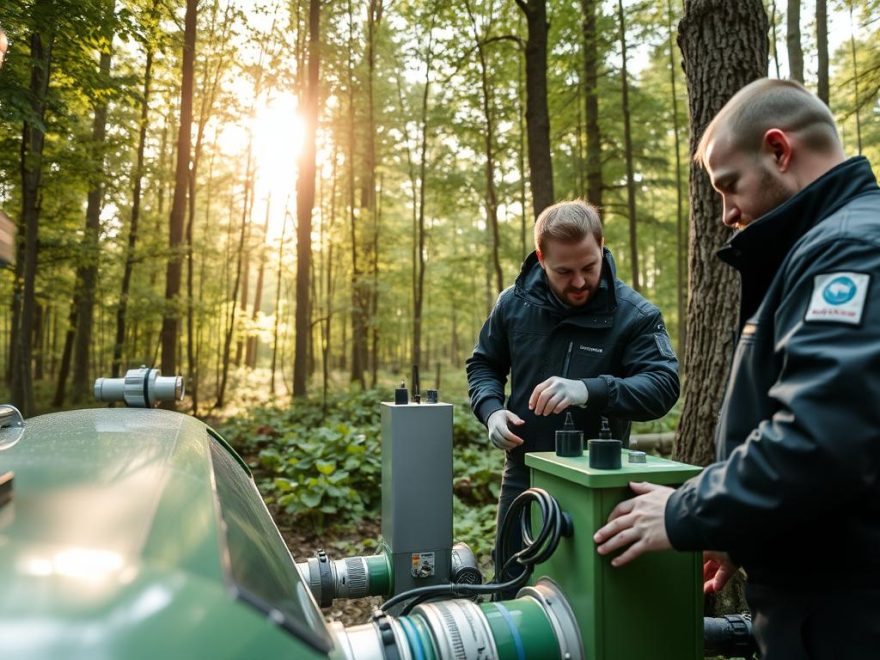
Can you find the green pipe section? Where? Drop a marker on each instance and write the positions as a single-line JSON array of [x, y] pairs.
[[521, 629], [379, 575]]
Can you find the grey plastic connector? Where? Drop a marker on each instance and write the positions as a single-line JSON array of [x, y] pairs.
[[140, 388]]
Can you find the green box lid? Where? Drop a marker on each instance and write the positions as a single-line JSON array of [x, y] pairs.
[[577, 470]]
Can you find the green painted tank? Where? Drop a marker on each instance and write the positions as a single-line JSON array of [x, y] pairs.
[[140, 534]]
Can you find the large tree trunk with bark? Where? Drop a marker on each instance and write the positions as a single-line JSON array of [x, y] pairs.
[[724, 47], [537, 114], [305, 200], [171, 317]]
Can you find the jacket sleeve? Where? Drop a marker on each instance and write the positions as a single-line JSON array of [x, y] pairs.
[[648, 386], [820, 449], [488, 366]]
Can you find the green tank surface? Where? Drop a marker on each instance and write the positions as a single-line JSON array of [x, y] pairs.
[[140, 534]]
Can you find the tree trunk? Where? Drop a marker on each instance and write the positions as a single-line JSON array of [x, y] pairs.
[[419, 245], [774, 39], [855, 79], [122, 309], [793, 40], [489, 144], [822, 49], [39, 341], [358, 305], [32, 143], [368, 189], [250, 355], [724, 47], [628, 156], [680, 221], [591, 100], [239, 266], [305, 200], [87, 273], [278, 302], [209, 86], [537, 113], [171, 317], [66, 355]]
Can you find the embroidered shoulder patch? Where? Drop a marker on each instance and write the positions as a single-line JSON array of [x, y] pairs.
[[838, 297], [664, 345]]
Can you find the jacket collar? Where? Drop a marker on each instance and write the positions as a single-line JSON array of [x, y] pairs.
[[757, 251], [531, 285]]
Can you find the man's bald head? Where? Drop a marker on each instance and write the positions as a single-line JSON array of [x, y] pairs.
[[770, 103]]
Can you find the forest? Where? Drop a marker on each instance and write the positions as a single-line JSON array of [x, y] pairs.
[[291, 202]]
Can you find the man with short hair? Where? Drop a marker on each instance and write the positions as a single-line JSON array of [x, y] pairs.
[[795, 496], [572, 337]]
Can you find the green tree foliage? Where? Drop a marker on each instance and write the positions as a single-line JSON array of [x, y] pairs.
[[249, 59]]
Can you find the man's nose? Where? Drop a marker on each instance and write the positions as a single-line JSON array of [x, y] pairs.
[[578, 281], [731, 213]]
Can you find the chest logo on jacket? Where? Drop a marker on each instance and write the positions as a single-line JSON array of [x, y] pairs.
[[838, 297]]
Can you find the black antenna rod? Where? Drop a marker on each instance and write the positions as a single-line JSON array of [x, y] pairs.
[[416, 397]]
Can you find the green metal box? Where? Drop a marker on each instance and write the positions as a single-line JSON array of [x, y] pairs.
[[650, 608]]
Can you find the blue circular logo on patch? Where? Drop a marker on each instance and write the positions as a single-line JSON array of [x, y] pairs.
[[839, 291]]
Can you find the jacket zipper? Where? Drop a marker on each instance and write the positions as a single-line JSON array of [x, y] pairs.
[[567, 363]]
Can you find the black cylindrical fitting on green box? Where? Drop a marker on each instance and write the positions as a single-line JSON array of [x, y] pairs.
[[569, 441], [604, 454]]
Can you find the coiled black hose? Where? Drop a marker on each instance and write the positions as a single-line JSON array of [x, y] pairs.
[[554, 524]]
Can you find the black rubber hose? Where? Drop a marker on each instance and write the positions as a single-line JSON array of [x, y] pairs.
[[554, 525]]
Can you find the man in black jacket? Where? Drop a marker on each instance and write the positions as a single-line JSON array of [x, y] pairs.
[[571, 336], [795, 496]]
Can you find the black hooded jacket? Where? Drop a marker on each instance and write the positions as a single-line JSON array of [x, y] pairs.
[[616, 343], [796, 500]]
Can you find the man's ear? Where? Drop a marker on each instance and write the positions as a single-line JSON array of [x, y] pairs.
[[540, 257], [777, 144]]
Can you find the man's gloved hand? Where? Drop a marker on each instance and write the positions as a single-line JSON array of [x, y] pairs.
[[556, 394], [499, 429]]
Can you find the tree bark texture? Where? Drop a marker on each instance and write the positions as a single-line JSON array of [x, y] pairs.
[[32, 143], [171, 318], [305, 200], [724, 47], [489, 144], [822, 49], [87, 273], [793, 41], [628, 156], [680, 221], [591, 101], [537, 113]]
